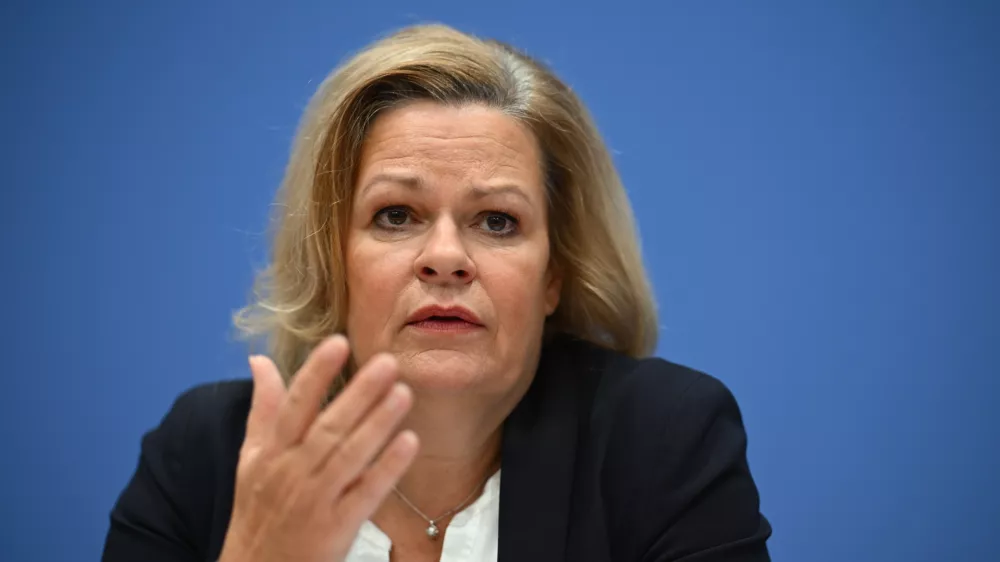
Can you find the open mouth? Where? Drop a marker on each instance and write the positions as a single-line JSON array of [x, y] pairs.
[[444, 324]]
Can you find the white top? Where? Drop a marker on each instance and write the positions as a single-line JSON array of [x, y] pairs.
[[470, 537]]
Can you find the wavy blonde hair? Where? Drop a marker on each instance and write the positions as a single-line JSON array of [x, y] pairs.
[[301, 297]]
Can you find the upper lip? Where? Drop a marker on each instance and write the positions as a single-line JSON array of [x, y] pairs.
[[444, 311]]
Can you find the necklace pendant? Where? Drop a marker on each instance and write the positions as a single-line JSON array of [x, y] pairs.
[[432, 531]]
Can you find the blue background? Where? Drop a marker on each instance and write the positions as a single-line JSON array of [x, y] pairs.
[[817, 187]]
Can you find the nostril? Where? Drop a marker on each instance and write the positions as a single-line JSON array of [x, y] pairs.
[[429, 273]]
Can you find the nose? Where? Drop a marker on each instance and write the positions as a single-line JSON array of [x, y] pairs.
[[444, 259]]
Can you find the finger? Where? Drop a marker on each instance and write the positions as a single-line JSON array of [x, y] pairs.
[[268, 393], [366, 389], [348, 460], [309, 388], [361, 500]]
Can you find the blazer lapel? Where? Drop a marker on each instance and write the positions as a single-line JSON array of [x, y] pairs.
[[538, 459]]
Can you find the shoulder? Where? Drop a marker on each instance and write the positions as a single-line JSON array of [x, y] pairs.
[[671, 447], [203, 432], [667, 395], [637, 410], [221, 402], [656, 411], [203, 417], [178, 498], [207, 416], [652, 391]]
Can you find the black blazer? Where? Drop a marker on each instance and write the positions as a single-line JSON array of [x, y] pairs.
[[606, 458]]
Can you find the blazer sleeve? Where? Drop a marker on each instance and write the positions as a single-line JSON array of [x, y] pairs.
[[154, 518], [710, 504]]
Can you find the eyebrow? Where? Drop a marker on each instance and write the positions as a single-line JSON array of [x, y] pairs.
[[479, 192], [408, 181], [414, 183]]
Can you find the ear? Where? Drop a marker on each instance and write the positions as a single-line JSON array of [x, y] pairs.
[[553, 288]]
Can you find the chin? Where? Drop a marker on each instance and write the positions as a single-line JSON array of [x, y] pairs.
[[442, 369]]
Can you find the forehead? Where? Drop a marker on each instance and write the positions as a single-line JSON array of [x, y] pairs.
[[470, 142]]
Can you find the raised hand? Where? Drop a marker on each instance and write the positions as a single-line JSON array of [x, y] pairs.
[[308, 476]]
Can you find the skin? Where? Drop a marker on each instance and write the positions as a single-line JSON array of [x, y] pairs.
[[449, 210], [307, 479], [451, 174]]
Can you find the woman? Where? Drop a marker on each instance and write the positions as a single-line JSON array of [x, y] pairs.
[[450, 208]]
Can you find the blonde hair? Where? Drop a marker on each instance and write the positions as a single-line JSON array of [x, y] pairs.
[[301, 297]]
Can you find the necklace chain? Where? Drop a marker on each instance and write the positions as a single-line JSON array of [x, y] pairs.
[[432, 529]]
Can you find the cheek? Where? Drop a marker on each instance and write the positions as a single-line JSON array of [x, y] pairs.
[[375, 279], [516, 285]]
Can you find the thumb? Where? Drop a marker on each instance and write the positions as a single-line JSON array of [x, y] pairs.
[[268, 393]]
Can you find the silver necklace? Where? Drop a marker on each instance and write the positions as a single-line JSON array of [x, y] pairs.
[[432, 530]]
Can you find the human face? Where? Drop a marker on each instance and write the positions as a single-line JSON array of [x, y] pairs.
[[449, 210]]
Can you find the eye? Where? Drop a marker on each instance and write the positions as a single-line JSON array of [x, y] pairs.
[[499, 224], [392, 217]]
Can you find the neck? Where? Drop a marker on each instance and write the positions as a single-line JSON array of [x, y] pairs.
[[460, 446], [459, 451], [457, 455]]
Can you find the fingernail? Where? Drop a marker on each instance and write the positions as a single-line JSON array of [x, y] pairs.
[[398, 395], [388, 360], [408, 439]]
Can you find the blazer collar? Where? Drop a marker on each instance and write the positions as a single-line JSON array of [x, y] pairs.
[[538, 459]]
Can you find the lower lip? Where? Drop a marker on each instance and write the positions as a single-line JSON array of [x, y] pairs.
[[445, 326]]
